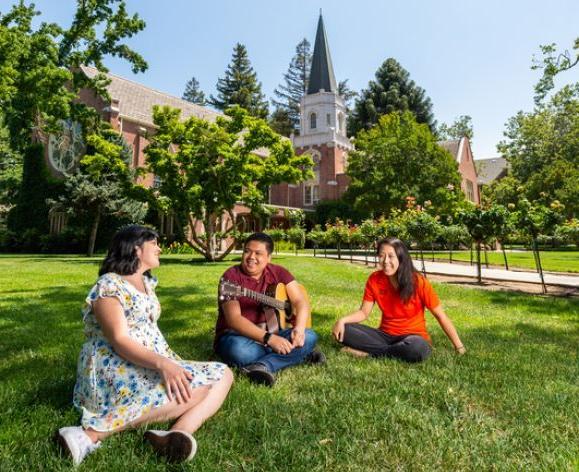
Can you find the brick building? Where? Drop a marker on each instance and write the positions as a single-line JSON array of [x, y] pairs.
[[323, 118]]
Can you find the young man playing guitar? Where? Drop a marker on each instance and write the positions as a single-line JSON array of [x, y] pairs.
[[248, 334]]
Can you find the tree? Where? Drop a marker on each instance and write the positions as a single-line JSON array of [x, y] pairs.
[[461, 127], [192, 92], [422, 228], [391, 91], [205, 169], [101, 185], [542, 148], [240, 86], [537, 218], [400, 158], [482, 225], [295, 84], [40, 79], [552, 64], [10, 169], [39, 69], [281, 122]]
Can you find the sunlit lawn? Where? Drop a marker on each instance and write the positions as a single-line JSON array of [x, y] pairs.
[[512, 403]]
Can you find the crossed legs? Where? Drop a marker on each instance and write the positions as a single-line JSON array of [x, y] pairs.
[[409, 348]]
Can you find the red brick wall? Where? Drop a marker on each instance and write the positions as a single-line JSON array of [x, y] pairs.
[[468, 172]]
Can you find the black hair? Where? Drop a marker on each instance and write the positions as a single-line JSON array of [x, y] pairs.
[[406, 273], [262, 238], [122, 256]]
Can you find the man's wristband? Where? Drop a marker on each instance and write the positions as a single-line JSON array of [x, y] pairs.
[[266, 337]]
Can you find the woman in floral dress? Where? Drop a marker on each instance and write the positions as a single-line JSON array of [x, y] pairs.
[[127, 375]]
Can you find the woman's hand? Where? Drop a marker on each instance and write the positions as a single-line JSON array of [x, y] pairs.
[[279, 345], [460, 350], [338, 330], [177, 381]]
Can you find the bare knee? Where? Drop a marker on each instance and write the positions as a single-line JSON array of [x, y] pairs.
[[227, 378]]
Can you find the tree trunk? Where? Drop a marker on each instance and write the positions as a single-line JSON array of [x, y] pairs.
[[339, 251], [538, 263], [315, 246], [432, 250], [365, 254], [471, 253], [422, 259], [486, 256], [505, 256], [93, 233], [450, 253], [351, 255]]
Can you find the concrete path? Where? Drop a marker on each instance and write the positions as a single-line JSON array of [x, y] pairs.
[[466, 270]]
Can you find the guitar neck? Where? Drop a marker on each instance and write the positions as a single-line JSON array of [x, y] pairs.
[[263, 298]]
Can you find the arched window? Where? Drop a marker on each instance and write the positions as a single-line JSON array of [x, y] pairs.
[[313, 121], [312, 187]]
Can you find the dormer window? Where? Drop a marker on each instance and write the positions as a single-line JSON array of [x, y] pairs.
[[313, 121]]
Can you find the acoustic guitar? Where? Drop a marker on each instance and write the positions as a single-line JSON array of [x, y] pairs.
[[275, 297]]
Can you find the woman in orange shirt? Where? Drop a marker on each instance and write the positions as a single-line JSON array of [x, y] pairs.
[[402, 294]]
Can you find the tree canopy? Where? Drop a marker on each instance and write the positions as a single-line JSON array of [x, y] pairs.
[[240, 86], [399, 158], [206, 168], [392, 90], [39, 68], [553, 63], [460, 127], [542, 148], [193, 93]]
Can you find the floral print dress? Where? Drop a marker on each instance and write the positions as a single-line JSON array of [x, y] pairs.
[[111, 391]]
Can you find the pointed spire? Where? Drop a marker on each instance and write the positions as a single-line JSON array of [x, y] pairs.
[[322, 72]]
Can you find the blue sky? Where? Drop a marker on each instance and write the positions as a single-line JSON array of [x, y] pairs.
[[472, 57]]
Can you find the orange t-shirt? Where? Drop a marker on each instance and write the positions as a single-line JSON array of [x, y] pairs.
[[399, 318]]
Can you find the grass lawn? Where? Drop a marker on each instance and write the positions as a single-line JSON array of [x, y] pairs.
[[512, 403], [555, 261]]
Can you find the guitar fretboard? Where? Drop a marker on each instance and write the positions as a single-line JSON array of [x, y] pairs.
[[263, 298]]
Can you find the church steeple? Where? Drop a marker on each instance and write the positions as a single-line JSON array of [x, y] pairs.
[[322, 71]]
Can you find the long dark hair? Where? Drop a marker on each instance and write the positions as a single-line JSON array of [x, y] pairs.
[[406, 273], [122, 256]]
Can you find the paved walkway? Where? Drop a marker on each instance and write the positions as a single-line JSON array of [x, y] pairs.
[[466, 270]]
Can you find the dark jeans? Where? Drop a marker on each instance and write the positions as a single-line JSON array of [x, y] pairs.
[[239, 351], [409, 348]]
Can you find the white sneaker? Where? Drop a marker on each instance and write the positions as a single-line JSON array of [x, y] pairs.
[[176, 446], [76, 443]]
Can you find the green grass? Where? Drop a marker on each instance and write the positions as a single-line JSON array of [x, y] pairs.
[[512, 403], [555, 261]]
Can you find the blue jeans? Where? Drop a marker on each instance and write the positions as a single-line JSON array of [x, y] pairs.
[[239, 351]]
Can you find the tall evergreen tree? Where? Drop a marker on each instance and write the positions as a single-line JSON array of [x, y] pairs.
[[392, 90], [240, 86], [296, 78], [192, 92]]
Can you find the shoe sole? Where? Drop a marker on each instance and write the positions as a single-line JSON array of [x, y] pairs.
[[261, 377], [175, 446]]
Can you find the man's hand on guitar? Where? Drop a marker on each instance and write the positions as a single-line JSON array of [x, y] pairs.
[[298, 337], [280, 345]]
